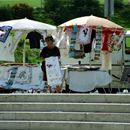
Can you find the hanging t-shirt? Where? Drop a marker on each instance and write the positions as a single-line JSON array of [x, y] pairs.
[[105, 39], [62, 41], [85, 35], [34, 39], [116, 41], [87, 47]]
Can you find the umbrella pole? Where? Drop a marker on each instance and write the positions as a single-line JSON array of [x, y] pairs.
[[24, 53]]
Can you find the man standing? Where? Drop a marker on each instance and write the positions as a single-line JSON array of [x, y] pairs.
[[49, 51]]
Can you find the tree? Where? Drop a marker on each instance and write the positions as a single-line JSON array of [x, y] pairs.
[[53, 10], [62, 10], [39, 15], [5, 13], [22, 11], [85, 7], [121, 13]]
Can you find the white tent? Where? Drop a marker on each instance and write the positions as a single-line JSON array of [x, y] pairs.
[[20, 27]]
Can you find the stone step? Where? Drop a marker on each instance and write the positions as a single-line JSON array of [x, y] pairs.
[[62, 125], [66, 116], [78, 98], [66, 107], [64, 111]]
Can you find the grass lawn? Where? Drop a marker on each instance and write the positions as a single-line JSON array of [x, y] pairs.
[[125, 1], [33, 3]]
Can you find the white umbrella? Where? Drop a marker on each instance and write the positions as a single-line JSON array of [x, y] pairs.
[[27, 24], [91, 21]]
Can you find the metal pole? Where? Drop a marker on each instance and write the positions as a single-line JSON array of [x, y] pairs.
[[109, 10], [24, 53]]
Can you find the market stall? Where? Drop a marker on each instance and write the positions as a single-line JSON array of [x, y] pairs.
[[21, 76], [95, 36]]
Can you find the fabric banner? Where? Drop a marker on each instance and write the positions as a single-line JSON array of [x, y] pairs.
[[21, 77]]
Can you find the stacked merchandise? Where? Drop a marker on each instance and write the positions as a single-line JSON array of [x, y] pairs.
[[97, 47]]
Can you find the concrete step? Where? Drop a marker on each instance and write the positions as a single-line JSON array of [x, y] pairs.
[[65, 112], [66, 116], [78, 98], [66, 107], [62, 125]]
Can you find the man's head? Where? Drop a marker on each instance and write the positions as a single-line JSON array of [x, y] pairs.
[[49, 38], [49, 41]]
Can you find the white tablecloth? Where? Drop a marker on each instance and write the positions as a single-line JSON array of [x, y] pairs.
[[83, 81]]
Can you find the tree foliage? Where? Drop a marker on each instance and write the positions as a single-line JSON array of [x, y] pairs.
[[121, 13], [84, 8], [22, 11], [5, 13], [63, 10]]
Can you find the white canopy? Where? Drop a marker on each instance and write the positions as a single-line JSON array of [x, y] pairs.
[[91, 21], [27, 24], [20, 27]]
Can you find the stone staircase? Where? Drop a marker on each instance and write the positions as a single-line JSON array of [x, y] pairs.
[[64, 111]]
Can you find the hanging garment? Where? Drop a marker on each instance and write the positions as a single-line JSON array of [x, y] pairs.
[[106, 40], [85, 35], [87, 47], [75, 29], [115, 42], [34, 39], [62, 41], [110, 40], [4, 32]]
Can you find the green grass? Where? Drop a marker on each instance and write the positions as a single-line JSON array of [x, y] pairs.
[[128, 42], [102, 1], [33, 3]]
